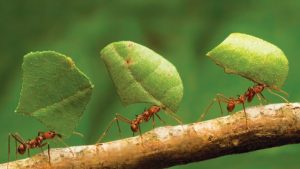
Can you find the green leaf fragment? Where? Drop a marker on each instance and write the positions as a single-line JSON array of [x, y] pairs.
[[54, 91], [142, 76], [252, 58]]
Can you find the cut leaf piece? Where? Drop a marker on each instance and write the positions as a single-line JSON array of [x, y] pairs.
[[252, 58], [54, 91], [142, 76]]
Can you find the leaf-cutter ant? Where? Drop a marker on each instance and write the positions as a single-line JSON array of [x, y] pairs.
[[135, 123], [37, 142], [248, 96]]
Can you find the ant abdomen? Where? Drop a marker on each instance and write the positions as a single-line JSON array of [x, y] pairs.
[[21, 149], [134, 128], [230, 106]]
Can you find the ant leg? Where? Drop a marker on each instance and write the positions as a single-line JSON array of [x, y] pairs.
[[119, 128], [49, 157], [16, 149], [41, 146], [153, 122], [221, 98], [28, 153], [245, 115], [140, 133], [18, 139], [8, 153], [42, 150], [206, 110], [260, 99], [219, 102], [262, 96], [276, 94], [160, 119]]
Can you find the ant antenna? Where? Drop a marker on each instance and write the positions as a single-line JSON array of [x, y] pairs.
[[246, 117], [78, 134], [276, 94], [173, 115], [280, 90]]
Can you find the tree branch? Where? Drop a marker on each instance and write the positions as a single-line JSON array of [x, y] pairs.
[[268, 126]]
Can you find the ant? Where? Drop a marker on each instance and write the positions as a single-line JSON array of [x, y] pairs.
[[135, 123], [248, 96], [31, 144]]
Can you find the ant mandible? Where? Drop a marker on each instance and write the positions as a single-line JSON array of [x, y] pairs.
[[256, 90], [31, 144], [135, 123]]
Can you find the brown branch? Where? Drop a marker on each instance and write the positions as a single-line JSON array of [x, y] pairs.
[[268, 126]]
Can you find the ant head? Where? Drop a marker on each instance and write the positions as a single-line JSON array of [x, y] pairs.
[[262, 85], [51, 134], [259, 88], [154, 109], [22, 148]]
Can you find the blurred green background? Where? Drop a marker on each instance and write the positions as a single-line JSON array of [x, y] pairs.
[[181, 31]]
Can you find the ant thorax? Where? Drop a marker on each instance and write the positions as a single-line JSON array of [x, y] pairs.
[[33, 143], [39, 139], [146, 115], [259, 88]]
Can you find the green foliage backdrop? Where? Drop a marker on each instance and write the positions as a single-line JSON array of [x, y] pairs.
[[181, 31]]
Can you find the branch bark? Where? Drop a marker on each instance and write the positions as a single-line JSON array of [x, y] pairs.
[[268, 126]]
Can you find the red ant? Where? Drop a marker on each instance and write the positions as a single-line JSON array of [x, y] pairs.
[[31, 144], [135, 123], [256, 90]]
